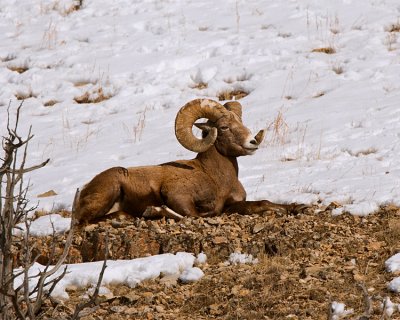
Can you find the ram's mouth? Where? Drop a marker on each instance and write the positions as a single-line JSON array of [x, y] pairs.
[[250, 150]]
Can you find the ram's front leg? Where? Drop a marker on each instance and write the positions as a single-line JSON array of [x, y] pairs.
[[153, 212], [257, 207]]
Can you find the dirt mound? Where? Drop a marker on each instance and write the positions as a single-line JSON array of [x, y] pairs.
[[304, 263]]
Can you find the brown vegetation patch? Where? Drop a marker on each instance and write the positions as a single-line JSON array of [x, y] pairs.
[[395, 27], [232, 95], [50, 103], [19, 69], [24, 95], [199, 86], [338, 69], [327, 50], [82, 83], [305, 262], [94, 96]]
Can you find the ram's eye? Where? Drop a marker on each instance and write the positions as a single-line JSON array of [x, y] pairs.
[[224, 128]]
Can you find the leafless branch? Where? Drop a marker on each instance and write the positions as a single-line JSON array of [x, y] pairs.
[[367, 300], [92, 300]]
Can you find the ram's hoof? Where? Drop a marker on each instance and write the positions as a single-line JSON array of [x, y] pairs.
[[295, 208]]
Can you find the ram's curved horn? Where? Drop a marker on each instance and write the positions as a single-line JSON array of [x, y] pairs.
[[186, 117], [234, 107]]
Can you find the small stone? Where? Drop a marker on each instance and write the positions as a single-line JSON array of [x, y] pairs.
[[148, 296], [130, 311], [130, 297], [258, 227], [160, 309], [118, 309], [89, 228], [220, 240], [169, 280]]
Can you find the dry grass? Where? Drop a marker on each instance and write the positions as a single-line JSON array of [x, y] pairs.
[[326, 50], [200, 85], [19, 69], [50, 103], [24, 95], [278, 129], [135, 132], [232, 95], [394, 27], [77, 5], [391, 40], [83, 83], [319, 94], [337, 68], [95, 96]]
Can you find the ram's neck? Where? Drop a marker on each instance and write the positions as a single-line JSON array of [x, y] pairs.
[[214, 163]]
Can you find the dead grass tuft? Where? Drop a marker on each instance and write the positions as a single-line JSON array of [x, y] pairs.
[[24, 95], [94, 96], [326, 50], [200, 85], [82, 83], [50, 103], [232, 95], [338, 69], [278, 129], [394, 27], [319, 94], [77, 5], [19, 69]]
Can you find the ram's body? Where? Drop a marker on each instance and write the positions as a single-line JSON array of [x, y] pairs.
[[205, 186]]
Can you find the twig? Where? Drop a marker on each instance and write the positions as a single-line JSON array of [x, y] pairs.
[[367, 300], [92, 299]]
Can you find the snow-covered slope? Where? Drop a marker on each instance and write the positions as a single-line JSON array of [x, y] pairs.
[[332, 119]]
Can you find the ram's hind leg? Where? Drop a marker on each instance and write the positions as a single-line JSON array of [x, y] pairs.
[[160, 212], [98, 197], [257, 207]]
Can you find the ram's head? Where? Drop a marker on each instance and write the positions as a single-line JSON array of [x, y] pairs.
[[224, 128]]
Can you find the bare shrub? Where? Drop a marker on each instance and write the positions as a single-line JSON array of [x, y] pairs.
[[19, 299]]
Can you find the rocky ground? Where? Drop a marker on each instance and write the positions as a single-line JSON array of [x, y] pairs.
[[304, 263]]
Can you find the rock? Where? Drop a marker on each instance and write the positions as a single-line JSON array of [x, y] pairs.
[[148, 296], [258, 227], [118, 309], [169, 280], [220, 240], [160, 309]]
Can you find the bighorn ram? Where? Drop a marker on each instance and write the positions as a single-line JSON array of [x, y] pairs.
[[205, 186]]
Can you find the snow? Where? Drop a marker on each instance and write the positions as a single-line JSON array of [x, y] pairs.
[[241, 258], [201, 258], [332, 120], [118, 272], [191, 275], [339, 112], [389, 307], [339, 310], [45, 225], [393, 265]]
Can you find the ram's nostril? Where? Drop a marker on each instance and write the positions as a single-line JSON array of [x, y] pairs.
[[254, 142]]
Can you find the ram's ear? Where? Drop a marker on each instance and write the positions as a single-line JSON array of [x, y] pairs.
[[205, 128]]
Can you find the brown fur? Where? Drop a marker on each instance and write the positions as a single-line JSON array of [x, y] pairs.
[[205, 186]]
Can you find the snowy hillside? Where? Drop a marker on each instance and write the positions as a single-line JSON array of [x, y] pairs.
[[102, 85]]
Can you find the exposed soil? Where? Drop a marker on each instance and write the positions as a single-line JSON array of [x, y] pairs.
[[305, 262]]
